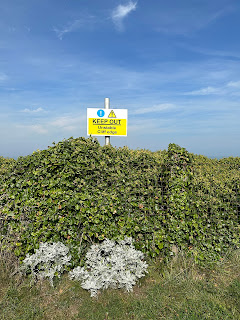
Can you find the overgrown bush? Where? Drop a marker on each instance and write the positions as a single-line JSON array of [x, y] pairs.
[[5, 165], [215, 206], [77, 192]]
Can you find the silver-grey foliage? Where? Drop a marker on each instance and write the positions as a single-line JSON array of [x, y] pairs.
[[48, 261], [111, 265]]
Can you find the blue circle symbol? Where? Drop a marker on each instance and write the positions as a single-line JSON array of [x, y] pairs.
[[101, 113]]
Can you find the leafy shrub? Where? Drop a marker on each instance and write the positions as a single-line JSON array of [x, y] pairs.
[[215, 206], [180, 164], [78, 192], [110, 265], [5, 164], [47, 262]]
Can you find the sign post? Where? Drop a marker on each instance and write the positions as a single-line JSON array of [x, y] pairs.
[[107, 122], [107, 106]]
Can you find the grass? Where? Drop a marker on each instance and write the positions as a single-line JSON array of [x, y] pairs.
[[178, 290]]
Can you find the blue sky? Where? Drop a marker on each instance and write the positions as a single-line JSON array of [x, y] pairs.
[[175, 65]]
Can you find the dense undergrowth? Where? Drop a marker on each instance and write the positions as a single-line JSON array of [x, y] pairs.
[[79, 193]]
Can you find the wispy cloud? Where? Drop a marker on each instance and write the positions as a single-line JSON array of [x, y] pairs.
[[234, 84], [189, 19], [232, 87], [26, 110], [210, 52], [203, 91], [153, 109], [121, 12], [37, 128], [214, 16], [73, 26], [68, 122]]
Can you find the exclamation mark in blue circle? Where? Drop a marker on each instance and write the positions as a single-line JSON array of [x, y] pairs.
[[101, 113]]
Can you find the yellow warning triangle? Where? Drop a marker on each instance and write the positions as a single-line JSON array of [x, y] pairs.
[[112, 114]]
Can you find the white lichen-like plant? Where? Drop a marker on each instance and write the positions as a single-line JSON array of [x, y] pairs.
[[48, 261], [111, 265]]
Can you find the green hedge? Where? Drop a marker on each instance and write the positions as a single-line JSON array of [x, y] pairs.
[[78, 192], [215, 205]]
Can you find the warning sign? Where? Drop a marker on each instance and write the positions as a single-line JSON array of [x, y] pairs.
[[111, 122], [112, 114]]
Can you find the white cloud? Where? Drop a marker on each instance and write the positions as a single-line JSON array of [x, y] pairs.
[[69, 28], [68, 123], [234, 84], [187, 19], [73, 26], [153, 109], [211, 52], [204, 91], [34, 128], [63, 121], [229, 88], [26, 110], [121, 12], [39, 129]]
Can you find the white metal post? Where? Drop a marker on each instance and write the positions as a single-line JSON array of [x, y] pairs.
[[107, 106]]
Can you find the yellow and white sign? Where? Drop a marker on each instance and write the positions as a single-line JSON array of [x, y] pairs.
[[107, 122]]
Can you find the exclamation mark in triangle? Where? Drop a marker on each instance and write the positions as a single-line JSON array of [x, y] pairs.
[[112, 114]]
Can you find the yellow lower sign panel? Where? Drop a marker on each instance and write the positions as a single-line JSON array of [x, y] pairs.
[[107, 127]]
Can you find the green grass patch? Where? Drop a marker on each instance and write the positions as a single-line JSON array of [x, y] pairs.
[[179, 289]]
